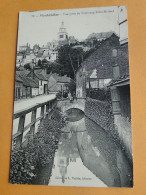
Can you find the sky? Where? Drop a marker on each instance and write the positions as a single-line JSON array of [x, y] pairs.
[[40, 27]]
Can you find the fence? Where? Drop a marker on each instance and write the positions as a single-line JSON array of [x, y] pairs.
[[46, 110]]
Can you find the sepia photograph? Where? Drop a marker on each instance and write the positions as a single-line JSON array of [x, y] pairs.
[[72, 108]]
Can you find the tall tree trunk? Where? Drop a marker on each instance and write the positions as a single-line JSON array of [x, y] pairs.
[[72, 65]]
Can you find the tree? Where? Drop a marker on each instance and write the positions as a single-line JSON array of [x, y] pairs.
[[71, 86], [27, 66], [44, 63], [39, 63], [69, 59]]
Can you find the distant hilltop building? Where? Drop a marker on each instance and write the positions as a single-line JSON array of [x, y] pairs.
[[100, 36], [24, 48], [63, 38], [62, 35]]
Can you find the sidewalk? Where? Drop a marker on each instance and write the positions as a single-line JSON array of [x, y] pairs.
[[25, 103]]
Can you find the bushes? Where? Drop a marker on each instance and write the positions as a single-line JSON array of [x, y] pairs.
[[23, 166], [99, 94], [26, 161]]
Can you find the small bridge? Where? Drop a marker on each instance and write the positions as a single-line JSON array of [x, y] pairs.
[[65, 105]]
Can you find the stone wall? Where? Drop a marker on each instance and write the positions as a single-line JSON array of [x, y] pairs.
[[118, 127], [123, 127], [101, 113]]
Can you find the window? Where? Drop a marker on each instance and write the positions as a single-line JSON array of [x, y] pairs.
[[114, 52], [101, 83], [61, 36]]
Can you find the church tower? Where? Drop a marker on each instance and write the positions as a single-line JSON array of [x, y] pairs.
[[62, 35]]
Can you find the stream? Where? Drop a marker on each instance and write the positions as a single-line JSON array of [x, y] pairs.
[[87, 156]]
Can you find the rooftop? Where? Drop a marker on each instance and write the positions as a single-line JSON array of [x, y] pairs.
[[102, 35], [61, 79]]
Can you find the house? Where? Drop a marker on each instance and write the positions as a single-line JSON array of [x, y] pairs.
[[99, 36], [95, 71], [72, 40], [24, 48], [19, 59], [36, 49], [58, 83], [28, 58], [40, 79], [30, 87], [81, 46], [50, 55], [120, 88], [18, 87]]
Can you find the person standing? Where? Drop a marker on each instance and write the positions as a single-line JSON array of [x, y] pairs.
[[69, 96]]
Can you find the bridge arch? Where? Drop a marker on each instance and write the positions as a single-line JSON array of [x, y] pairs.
[[65, 105]]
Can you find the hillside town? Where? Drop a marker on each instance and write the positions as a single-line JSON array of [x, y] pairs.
[[32, 64], [97, 67], [87, 77]]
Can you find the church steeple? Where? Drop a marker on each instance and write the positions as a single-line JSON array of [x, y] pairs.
[[62, 35], [62, 28]]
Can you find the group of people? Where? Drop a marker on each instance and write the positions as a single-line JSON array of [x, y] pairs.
[[72, 97]]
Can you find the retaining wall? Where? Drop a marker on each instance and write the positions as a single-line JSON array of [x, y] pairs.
[[101, 113], [120, 129]]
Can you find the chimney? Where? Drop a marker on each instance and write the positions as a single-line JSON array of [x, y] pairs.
[[32, 69], [116, 70]]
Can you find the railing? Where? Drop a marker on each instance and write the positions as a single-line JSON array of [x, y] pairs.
[[17, 137]]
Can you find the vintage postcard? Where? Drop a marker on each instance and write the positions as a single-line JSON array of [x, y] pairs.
[[72, 112]]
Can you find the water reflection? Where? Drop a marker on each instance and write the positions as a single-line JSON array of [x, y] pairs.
[[74, 114], [87, 156]]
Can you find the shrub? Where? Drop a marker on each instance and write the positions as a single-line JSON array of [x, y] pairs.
[[26, 161], [99, 94]]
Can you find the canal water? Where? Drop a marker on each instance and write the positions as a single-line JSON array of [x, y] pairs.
[[87, 156]]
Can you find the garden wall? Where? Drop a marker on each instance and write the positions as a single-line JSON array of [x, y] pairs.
[[119, 128], [101, 113]]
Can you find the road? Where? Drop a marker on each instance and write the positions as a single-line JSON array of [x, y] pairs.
[[25, 103]]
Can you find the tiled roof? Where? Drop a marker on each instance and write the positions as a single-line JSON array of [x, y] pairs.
[[17, 78], [119, 80], [22, 72], [40, 75], [29, 82], [102, 35], [53, 88]]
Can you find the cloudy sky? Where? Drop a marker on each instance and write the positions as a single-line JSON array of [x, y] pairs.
[[40, 27]]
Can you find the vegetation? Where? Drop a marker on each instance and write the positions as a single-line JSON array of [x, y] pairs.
[[26, 161], [71, 86], [69, 59], [27, 66], [99, 94]]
